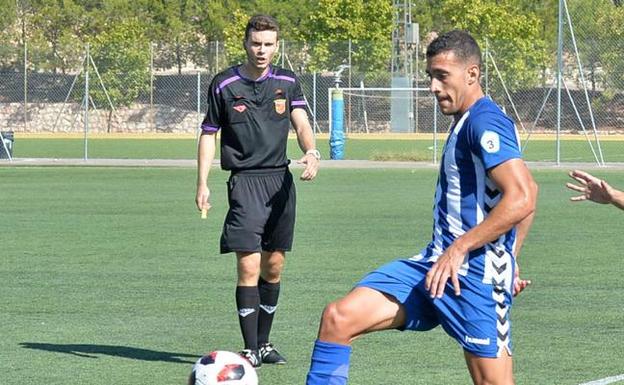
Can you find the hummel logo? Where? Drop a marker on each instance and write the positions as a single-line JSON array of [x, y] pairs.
[[240, 108], [244, 312], [478, 341], [269, 309]]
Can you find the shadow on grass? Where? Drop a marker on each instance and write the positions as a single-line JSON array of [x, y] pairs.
[[91, 351]]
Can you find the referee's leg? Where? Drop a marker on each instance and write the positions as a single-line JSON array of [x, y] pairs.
[[271, 267], [248, 303]]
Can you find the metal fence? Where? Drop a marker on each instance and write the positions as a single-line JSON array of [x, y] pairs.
[[34, 98]]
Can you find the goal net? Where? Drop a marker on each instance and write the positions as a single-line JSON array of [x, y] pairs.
[[390, 110]]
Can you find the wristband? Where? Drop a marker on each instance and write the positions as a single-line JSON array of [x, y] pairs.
[[315, 153]]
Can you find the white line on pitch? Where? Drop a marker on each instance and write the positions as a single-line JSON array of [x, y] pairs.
[[605, 381]]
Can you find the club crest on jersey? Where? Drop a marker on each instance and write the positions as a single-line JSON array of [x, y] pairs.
[[490, 142], [280, 106], [240, 108]]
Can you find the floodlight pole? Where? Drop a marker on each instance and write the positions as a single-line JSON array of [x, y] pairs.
[[86, 105], [25, 86], [559, 75]]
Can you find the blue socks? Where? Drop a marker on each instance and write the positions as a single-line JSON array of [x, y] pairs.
[[330, 364]]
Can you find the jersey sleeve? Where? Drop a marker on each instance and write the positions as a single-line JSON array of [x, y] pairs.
[[212, 120], [297, 100], [494, 139]]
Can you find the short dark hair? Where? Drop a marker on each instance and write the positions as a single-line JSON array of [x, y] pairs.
[[261, 23], [459, 42]]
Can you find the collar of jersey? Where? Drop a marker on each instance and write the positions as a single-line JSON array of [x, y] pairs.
[[260, 79]]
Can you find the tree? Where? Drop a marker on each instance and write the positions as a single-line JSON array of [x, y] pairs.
[[234, 34], [174, 26], [9, 25], [122, 58], [611, 46], [8, 16], [53, 40], [368, 24], [512, 36]]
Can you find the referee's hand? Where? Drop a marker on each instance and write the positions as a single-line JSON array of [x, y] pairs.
[[202, 198], [311, 166]]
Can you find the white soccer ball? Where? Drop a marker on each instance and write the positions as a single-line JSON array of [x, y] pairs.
[[223, 368]]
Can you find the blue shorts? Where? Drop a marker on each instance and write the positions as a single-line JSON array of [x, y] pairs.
[[478, 319]]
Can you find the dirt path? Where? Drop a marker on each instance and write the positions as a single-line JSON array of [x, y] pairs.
[[191, 163]]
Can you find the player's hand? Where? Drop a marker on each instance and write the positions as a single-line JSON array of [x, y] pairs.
[[311, 166], [447, 266], [519, 283], [202, 198], [590, 187]]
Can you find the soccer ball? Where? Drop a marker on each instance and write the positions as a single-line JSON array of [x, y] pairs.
[[223, 368]]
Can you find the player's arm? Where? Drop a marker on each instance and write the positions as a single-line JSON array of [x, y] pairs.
[[522, 229], [205, 156], [519, 196], [595, 189], [305, 138]]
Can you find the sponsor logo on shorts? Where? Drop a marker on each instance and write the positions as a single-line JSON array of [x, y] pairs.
[[478, 341], [240, 108]]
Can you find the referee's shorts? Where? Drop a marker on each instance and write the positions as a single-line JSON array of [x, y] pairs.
[[262, 211]]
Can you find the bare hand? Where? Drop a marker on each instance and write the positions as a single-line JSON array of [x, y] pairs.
[[590, 187], [447, 266], [311, 169], [202, 198], [519, 284]]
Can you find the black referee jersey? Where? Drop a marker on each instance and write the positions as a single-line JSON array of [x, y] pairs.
[[253, 116]]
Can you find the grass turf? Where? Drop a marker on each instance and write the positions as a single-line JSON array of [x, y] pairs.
[[110, 277], [366, 149]]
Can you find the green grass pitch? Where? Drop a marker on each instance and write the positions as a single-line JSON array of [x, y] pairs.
[[108, 276], [366, 149]]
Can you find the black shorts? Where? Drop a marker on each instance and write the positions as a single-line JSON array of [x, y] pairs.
[[262, 211]]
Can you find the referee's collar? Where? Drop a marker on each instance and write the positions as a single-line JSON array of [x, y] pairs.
[[260, 79]]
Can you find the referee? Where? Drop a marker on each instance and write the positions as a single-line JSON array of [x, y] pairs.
[[253, 105]]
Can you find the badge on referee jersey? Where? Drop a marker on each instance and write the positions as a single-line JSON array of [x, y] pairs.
[[280, 106]]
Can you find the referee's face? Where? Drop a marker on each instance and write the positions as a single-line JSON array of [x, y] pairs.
[[261, 46]]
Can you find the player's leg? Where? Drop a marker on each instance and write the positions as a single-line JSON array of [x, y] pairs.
[[271, 266], [248, 303], [391, 297], [479, 320], [490, 371], [363, 310]]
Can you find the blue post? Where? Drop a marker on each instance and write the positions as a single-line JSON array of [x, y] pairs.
[[336, 138]]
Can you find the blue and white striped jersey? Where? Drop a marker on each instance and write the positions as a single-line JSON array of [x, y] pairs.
[[482, 139]]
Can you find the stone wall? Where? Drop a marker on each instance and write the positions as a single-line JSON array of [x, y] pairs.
[[69, 118]]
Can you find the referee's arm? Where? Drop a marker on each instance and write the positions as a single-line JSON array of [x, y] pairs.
[[305, 137], [205, 156]]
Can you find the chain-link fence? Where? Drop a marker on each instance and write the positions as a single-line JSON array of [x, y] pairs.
[[104, 91]]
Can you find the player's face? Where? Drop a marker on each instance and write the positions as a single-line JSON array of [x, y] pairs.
[[451, 79], [261, 46]]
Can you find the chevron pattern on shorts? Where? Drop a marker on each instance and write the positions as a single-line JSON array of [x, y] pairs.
[[499, 266]]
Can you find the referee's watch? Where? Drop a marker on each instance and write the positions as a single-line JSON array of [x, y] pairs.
[[315, 153]]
